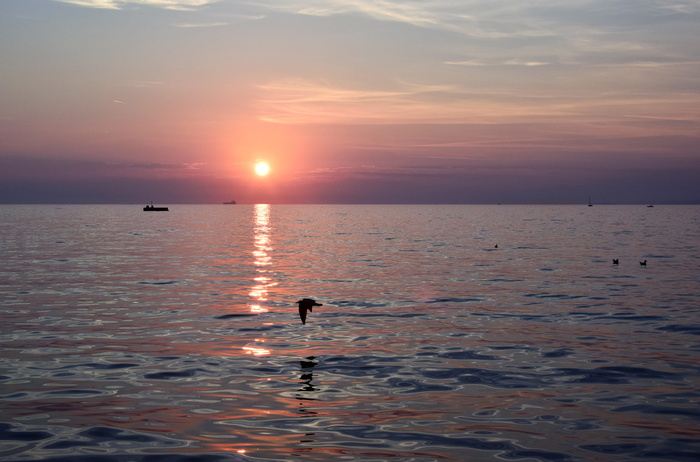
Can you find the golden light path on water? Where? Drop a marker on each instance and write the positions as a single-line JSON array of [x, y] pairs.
[[262, 281]]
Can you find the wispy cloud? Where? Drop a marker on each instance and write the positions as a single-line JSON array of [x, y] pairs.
[[681, 6], [486, 19], [413, 12], [489, 119], [510, 62], [119, 4], [302, 101], [576, 32], [196, 25], [230, 19], [164, 166]]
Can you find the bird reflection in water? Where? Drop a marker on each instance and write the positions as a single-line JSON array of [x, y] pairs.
[[307, 373], [307, 376]]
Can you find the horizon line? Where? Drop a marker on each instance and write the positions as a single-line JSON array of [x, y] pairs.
[[582, 204]]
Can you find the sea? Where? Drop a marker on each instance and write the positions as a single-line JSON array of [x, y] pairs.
[[446, 333]]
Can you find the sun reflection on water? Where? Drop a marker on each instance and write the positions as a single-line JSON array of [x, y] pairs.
[[262, 260], [257, 348]]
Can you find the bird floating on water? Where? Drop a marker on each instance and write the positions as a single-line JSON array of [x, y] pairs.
[[306, 304], [616, 261], [643, 263]]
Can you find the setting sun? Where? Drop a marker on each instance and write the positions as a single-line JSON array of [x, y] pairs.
[[262, 168]]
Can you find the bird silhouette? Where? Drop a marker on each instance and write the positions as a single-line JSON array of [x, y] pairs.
[[306, 304], [643, 263], [616, 261]]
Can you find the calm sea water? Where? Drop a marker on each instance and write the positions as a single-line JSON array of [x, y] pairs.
[[448, 333]]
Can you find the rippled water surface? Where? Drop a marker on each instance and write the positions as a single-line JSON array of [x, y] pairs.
[[448, 333]]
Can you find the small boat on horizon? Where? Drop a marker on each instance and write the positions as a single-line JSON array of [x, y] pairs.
[[650, 205], [230, 202], [590, 204], [151, 208]]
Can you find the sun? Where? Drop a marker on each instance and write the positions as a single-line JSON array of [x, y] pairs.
[[262, 168]]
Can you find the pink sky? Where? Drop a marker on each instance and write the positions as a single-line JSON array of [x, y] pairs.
[[349, 101]]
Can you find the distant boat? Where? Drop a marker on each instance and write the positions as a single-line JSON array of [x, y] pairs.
[[151, 208], [650, 205], [590, 204], [230, 202]]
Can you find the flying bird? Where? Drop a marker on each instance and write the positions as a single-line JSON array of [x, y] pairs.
[[306, 304]]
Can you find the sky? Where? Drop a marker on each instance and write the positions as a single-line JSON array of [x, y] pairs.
[[350, 101]]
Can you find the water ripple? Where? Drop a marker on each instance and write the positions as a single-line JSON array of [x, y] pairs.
[[124, 339]]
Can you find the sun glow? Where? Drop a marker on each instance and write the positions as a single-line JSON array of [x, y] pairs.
[[262, 168]]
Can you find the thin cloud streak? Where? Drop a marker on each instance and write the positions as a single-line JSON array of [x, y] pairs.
[[159, 166], [479, 19], [231, 19], [511, 62], [493, 18], [198, 25], [305, 102], [416, 13], [575, 32], [182, 5]]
